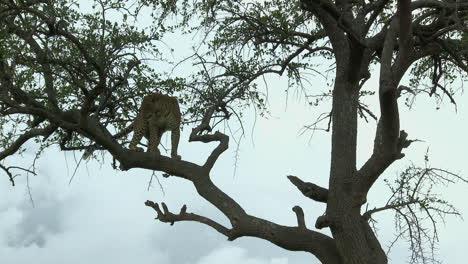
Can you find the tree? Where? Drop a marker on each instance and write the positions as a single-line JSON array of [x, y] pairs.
[[66, 76]]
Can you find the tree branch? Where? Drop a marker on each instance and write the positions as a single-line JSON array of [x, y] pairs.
[[196, 135], [290, 238], [8, 89], [11, 177], [369, 213], [43, 60], [69, 36], [300, 217], [377, 8], [405, 40], [166, 216], [310, 190], [419, 4], [389, 141], [379, 161], [25, 137], [341, 20]]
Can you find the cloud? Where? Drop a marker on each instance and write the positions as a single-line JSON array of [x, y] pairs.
[[35, 225], [234, 255], [94, 220]]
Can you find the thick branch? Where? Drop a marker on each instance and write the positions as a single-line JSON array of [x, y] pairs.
[[405, 35], [405, 55], [223, 146], [386, 76], [388, 129], [223, 140], [291, 238], [388, 141], [94, 130], [328, 7], [91, 128], [379, 161], [310, 190], [377, 8]]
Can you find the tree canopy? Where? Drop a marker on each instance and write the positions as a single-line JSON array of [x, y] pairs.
[[73, 76]]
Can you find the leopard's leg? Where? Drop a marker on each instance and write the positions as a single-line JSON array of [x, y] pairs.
[[138, 132], [175, 136], [154, 139]]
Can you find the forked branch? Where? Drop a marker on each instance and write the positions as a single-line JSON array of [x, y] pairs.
[[166, 216], [35, 132], [196, 135]]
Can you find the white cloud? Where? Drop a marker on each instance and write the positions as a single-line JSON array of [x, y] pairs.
[[236, 255]]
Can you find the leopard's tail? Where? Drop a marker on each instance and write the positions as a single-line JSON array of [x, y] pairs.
[[90, 150], [125, 131]]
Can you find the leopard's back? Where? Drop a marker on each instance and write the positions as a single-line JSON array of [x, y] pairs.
[[167, 115], [158, 113]]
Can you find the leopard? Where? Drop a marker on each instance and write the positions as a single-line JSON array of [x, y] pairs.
[[157, 114]]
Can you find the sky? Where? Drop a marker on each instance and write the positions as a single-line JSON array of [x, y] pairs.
[[100, 217]]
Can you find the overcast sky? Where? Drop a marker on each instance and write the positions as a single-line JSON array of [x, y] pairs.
[[100, 217]]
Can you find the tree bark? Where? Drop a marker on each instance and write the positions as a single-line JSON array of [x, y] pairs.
[[354, 238]]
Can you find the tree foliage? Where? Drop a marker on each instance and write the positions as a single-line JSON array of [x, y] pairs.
[[71, 76]]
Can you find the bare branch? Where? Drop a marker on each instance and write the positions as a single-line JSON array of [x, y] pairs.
[[25, 137], [166, 216], [10, 175], [291, 238], [196, 135], [300, 217], [223, 146], [418, 208], [310, 190], [394, 206]]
